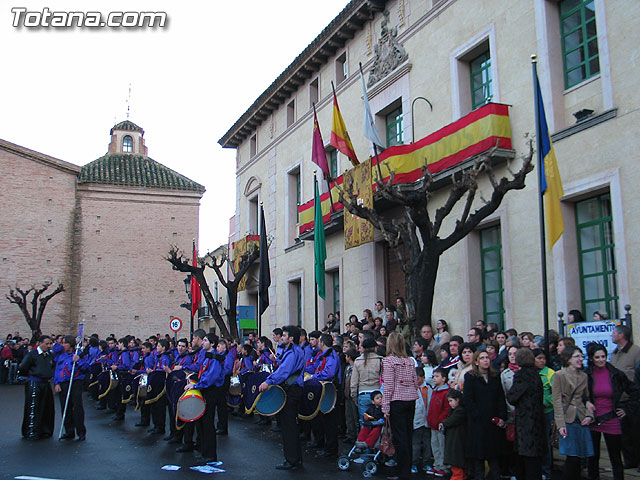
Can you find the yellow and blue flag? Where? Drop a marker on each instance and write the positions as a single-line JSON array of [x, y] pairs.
[[551, 182]]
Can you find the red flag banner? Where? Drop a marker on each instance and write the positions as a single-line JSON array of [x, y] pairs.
[[318, 153], [195, 287]]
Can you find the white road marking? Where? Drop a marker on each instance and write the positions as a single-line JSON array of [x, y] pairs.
[[25, 477]]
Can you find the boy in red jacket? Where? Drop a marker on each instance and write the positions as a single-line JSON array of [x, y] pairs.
[[438, 412]]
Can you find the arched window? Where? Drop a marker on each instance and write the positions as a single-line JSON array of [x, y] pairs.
[[127, 144]]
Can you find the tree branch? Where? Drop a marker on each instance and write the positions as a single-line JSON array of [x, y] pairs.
[[501, 188]]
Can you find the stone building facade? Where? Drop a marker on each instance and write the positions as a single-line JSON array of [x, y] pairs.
[[461, 56], [102, 230]]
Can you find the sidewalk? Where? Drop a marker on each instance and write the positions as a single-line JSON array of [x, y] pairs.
[[605, 465]]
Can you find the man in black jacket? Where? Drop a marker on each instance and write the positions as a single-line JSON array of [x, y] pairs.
[[38, 368]]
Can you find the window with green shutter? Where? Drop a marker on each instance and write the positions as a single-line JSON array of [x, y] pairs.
[[579, 41], [393, 123], [333, 163], [596, 256], [491, 265], [480, 68]]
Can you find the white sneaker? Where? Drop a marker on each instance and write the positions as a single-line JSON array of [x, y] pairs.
[[391, 463], [359, 460]]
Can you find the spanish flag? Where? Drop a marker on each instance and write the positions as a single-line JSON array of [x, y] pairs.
[[551, 184], [339, 135]]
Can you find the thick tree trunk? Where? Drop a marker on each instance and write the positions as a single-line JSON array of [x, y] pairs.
[[232, 291], [206, 292], [422, 284], [35, 334]]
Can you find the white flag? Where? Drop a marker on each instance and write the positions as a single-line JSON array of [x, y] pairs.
[[369, 126]]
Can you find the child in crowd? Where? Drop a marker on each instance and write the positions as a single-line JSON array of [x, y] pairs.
[[454, 428], [373, 421], [438, 411], [421, 431]]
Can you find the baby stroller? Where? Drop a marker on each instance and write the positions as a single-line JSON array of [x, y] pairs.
[[360, 453]]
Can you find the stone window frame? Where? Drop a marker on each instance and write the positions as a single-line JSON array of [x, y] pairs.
[[460, 72]]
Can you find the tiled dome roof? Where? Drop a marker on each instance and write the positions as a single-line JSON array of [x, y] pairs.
[[135, 170]]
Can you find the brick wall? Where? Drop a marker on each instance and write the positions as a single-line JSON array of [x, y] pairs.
[[107, 244], [125, 235], [38, 199]]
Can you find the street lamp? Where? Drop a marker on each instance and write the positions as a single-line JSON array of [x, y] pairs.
[[188, 306]]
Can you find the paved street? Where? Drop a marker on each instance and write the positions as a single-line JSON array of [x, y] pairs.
[[114, 450]]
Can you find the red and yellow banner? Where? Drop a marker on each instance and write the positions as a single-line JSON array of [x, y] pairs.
[[472, 135], [357, 182], [239, 248], [306, 210]]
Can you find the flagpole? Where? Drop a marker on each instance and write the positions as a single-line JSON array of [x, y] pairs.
[[543, 250], [315, 278], [193, 249], [375, 147], [259, 296]]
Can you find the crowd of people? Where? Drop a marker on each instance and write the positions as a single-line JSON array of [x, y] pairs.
[[495, 405]]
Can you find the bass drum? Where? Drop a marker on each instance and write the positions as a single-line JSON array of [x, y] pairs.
[[107, 381], [250, 391], [271, 401], [157, 386], [191, 406]]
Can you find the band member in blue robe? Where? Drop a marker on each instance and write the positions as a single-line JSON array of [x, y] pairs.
[[122, 368], [181, 360], [74, 416], [210, 380], [327, 370], [158, 407], [289, 375], [198, 355]]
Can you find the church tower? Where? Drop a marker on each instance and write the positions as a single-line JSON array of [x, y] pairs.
[[127, 137]]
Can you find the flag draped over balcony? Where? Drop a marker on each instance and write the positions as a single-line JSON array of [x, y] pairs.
[[339, 135]]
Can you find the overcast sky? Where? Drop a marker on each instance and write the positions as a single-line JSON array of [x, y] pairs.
[[63, 89]]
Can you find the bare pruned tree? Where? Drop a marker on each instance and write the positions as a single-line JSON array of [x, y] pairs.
[[33, 309], [419, 231], [181, 263]]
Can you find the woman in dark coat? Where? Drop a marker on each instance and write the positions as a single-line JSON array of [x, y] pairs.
[[526, 395], [486, 415]]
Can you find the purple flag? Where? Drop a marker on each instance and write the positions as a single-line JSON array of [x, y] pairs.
[[318, 153]]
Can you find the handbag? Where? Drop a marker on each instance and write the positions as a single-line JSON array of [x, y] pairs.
[[386, 440], [511, 432]]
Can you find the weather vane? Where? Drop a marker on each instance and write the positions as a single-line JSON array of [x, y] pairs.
[[129, 102]]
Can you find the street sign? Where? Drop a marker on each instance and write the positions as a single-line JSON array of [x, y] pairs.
[[175, 324], [586, 332]]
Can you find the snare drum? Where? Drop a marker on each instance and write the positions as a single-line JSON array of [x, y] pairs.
[[235, 388], [191, 406], [266, 368], [142, 385]]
